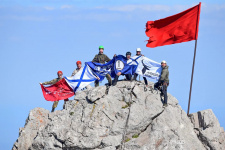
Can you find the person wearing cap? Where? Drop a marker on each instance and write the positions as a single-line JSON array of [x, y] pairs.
[[59, 73], [163, 81], [128, 76], [79, 67], [138, 53], [102, 58]]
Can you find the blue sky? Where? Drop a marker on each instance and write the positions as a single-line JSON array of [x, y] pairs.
[[40, 37]]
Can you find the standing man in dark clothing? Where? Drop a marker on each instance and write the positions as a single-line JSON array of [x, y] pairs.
[[163, 81], [102, 58], [138, 53], [128, 76], [55, 104]]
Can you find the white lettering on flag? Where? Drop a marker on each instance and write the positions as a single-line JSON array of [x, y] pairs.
[[148, 68]]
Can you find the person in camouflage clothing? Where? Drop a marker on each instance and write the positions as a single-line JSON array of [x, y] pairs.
[[102, 58], [79, 67], [55, 104], [163, 82]]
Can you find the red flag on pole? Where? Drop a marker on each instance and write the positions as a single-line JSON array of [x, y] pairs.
[[178, 28], [58, 91]]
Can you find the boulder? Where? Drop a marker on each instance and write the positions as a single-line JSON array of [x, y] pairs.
[[208, 129]]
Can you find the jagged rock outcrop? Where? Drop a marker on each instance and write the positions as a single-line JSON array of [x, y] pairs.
[[208, 129], [125, 118]]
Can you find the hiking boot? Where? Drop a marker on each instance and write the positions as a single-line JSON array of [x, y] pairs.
[[64, 105], [165, 105], [133, 79], [107, 90], [53, 109], [114, 83], [145, 88]]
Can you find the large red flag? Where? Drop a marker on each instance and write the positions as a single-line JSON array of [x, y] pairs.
[[178, 28], [58, 91]]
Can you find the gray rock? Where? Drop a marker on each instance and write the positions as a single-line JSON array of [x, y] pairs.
[[169, 129], [208, 129], [126, 118], [96, 93], [36, 121]]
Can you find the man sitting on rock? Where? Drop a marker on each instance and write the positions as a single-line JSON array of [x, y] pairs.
[[55, 104], [128, 76], [163, 82]]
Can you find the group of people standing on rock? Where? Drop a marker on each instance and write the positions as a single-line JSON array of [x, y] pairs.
[[161, 85]]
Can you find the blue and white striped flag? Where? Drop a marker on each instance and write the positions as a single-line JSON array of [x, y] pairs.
[[101, 70], [81, 79]]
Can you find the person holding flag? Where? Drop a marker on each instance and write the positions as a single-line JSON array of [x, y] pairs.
[[79, 67], [55, 104], [138, 53], [128, 76], [102, 58], [163, 82]]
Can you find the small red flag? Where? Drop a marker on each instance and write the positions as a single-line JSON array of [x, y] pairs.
[[178, 28], [58, 91]]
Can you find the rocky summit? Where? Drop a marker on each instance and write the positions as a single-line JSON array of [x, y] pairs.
[[127, 117]]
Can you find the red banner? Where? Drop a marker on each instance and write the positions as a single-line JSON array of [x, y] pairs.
[[58, 91], [178, 28]]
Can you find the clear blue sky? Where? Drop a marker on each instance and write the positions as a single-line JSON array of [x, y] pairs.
[[40, 37]]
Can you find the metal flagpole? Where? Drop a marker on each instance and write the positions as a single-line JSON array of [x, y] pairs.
[[193, 66]]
